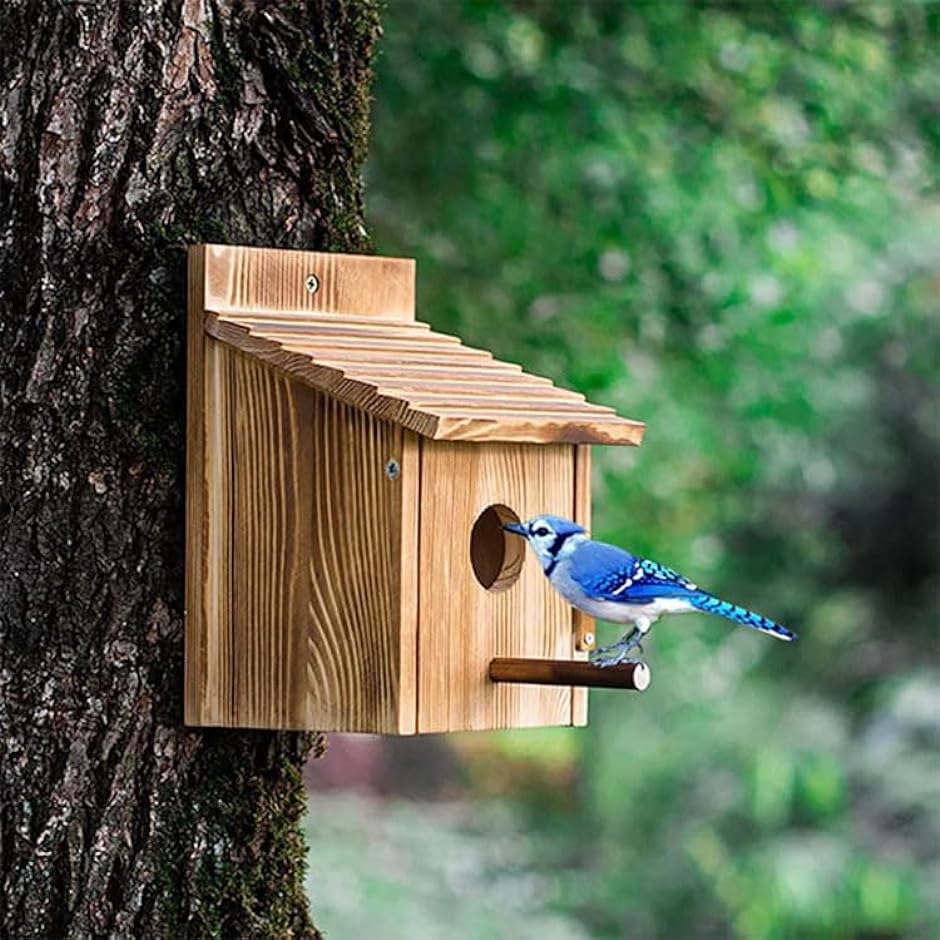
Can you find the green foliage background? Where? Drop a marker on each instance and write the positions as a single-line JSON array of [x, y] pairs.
[[722, 219]]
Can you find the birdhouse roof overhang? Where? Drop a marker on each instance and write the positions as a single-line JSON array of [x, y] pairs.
[[371, 353]]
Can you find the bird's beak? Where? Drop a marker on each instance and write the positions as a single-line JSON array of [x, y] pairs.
[[516, 527]]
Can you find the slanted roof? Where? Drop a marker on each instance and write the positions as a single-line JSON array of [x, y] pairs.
[[376, 356]]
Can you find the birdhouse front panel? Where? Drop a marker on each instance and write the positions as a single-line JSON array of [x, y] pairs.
[[480, 595], [349, 473]]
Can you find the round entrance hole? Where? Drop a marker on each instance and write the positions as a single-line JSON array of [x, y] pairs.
[[496, 555]]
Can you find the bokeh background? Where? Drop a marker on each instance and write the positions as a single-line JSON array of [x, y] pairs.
[[721, 219]]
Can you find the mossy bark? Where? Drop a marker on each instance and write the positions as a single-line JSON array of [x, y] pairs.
[[128, 131]]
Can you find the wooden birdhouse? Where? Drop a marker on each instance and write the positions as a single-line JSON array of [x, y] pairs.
[[348, 474]]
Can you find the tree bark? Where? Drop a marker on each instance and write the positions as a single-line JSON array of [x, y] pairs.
[[129, 130]]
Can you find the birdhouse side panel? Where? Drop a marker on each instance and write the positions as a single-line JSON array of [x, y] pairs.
[[361, 618], [245, 656], [462, 625], [209, 653], [300, 611], [270, 509]]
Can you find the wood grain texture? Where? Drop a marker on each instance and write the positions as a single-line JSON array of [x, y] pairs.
[[195, 665], [409, 584], [216, 610], [265, 562], [545, 428], [300, 622], [585, 635], [265, 279], [461, 625], [360, 627]]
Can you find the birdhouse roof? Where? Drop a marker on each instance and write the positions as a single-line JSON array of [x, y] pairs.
[[375, 356]]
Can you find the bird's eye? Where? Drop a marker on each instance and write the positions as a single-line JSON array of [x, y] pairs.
[[542, 531]]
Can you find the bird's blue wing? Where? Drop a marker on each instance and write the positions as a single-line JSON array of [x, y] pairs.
[[605, 572], [599, 569]]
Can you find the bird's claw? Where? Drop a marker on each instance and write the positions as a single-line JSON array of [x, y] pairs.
[[603, 662], [616, 655]]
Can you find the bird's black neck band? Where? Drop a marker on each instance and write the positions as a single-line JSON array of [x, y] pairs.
[[557, 544], [554, 550]]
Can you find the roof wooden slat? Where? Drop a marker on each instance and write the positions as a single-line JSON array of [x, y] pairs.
[[394, 349], [496, 402], [363, 337], [534, 431], [474, 388], [544, 414], [429, 370], [325, 322], [428, 382]]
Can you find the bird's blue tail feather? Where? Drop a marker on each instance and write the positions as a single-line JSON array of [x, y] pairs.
[[709, 604]]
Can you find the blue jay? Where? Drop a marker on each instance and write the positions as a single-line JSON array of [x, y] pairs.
[[608, 583]]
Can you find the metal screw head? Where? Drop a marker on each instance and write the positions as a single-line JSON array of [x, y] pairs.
[[392, 470], [587, 639], [312, 283]]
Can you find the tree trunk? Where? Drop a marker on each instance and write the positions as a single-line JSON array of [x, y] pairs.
[[129, 130]]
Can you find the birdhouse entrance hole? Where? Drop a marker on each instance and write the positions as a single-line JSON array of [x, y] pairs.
[[496, 556]]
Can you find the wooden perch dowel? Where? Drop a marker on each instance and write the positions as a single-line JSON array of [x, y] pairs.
[[635, 676]]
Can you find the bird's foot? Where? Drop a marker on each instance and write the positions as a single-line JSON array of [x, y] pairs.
[[618, 659], [619, 653]]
